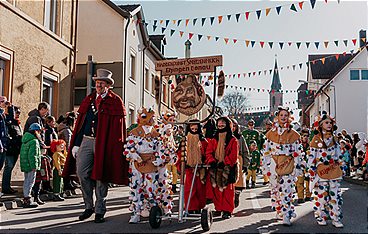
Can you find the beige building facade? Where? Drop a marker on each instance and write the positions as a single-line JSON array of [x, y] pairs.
[[37, 41]]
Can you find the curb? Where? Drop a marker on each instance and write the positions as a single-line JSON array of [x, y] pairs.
[[354, 181]]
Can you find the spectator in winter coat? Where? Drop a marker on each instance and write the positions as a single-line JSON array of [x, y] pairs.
[[30, 161], [13, 151]]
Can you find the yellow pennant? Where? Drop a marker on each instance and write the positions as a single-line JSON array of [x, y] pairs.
[[323, 60], [208, 37], [161, 21], [174, 22], [247, 42]]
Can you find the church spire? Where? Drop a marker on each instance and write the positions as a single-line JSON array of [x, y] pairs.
[[276, 84]]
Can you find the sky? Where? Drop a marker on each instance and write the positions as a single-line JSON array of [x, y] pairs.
[[327, 21]]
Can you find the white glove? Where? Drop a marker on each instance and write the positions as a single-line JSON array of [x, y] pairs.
[[75, 151]]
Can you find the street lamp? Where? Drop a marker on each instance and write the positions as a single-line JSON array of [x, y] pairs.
[[328, 97]]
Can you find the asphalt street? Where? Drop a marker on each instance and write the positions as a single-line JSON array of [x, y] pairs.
[[254, 215]]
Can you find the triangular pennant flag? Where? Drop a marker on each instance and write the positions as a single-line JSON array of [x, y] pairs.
[[268, 11], [270, 71], [261, 43], [259, 73], [326, 44], [235, 40], [194, 21], [281, 44], [174, 22], [278, 9], [226, 40], [312, 2], [208, 37], [298, 44], [239, 75], [337, 56], [265, 72], [337, 43], [247, 43], [212, 19], [325, 1], [161, 21], [293, 8], [346, 42], [294, 67], [186, 22], [316, 44], [199, 37], [252, 43], [254, 73], [181, 33], [179, 21], [216, 38], [249, 74], [203, 21], [270, 43], [167, 22], [301, 5], [220, 19], [290, 43], [155, 22], [259, 13], [237, 17], [300, 65], [354, 41], [258, 90], [190, 35], [163, 30], [307, 44], [228, 17], [154, 27], [247, 15], [172, 31], [323, 60], [363, 39]]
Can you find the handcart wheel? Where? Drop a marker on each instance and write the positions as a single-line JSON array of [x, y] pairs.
[[155, 217], [206, 219]]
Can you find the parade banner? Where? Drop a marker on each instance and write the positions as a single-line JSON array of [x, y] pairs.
[[188, 66]]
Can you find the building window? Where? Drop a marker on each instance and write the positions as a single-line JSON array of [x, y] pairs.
[[2, 76], [132, 67], [354, 74], [153, 84], [364, 74], [146, 78], [50, 15], [6, 62], [131, 116], [49, 89], [273, 101], [164, 92]]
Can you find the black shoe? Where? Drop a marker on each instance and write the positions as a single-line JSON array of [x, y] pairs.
[[99, 218], [58, 198], [226, 215], [265, 183], [86, 214], [308, 199], [253, 184], [236, 199], [174, 188], [9, 191], [216, 213], [39, 201]]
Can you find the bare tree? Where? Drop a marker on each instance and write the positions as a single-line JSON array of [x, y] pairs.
[[234, 103]]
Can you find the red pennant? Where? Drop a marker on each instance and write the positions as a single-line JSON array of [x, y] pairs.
[[234, 40], [262, 43], [289, 43], [344, 53], [301, 5], [186, 22], [220, 19], [226, 40], [337, 56], [190, 35], [354, 41], [239, 75], [247, 15], [181, 33], [254, 73]]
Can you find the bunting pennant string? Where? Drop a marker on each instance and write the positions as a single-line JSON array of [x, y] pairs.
[[294, 67], [270, 43], [257, 12]]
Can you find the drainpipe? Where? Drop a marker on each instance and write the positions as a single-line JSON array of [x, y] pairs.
[[73, 53], [89, 73], [125, 59], [144, 75]]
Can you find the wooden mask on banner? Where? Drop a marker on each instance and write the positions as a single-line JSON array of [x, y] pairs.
[[221, 84], [189, 96]]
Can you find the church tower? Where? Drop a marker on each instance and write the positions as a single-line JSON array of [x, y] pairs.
[[276, 95]]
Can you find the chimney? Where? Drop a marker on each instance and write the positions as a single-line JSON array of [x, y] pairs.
[[362, 38]]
